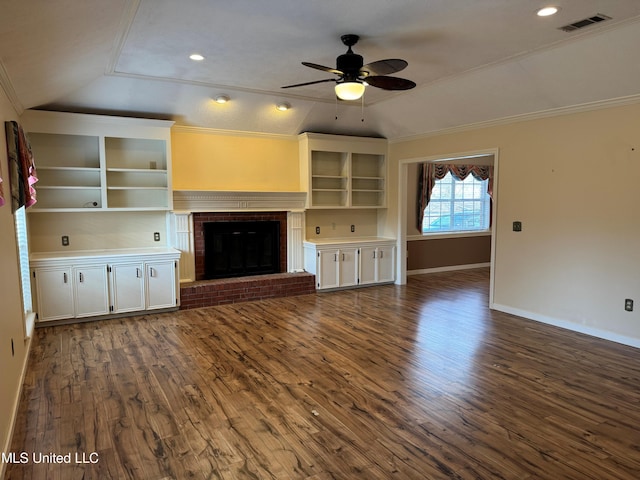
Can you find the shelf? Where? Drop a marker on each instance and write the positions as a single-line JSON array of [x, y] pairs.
[[65, 151], [110, 161], [67, 197], [138, 198], [68, 187], [68, 169], [343, 171], [136, 178], [136, 170], [68, 177], [135, 154]]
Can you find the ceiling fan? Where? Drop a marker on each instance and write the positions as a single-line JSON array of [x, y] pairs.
[[354, 76]]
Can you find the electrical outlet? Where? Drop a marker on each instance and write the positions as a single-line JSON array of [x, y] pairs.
[[65, 240], [317, 230], [517, 226], [156, 236], [353, 228], [628, 304]]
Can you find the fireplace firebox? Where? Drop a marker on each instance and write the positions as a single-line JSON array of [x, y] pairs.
[[241, 248]]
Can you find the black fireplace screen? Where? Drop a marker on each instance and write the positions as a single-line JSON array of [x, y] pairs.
[[236, 249]]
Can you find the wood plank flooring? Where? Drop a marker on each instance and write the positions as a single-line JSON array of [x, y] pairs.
[[420, 381]]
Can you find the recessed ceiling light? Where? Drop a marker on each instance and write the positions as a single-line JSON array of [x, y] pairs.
[[548, 11], [222, 99], [283, 107], [196, 57]]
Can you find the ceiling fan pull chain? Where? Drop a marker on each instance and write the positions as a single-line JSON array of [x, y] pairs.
[[362, 119]]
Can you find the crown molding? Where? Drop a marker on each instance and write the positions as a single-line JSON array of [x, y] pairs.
[[555, 112]]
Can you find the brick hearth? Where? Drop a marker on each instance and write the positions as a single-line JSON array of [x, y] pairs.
[[207, 293]]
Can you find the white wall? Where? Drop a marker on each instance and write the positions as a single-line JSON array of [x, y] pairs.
[[13, 363], [574, 183]]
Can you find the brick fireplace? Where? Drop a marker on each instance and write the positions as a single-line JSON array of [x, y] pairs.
[[200, 219], [193, 209]]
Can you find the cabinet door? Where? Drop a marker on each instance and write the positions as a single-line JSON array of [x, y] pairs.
[[160, 284], [91, 294], [386, 271], [348, 267], [55, 294], [368, 265], [327, 276], [127, 287]]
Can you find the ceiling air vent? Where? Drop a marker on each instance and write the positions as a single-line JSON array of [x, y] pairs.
[[599, 17]]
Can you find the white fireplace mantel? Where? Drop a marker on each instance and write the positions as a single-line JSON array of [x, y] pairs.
[[234, 201]]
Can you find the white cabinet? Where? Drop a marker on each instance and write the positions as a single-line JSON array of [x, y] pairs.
[[92, 284], [54, 293], [90, 290], [127, 287], [377, 264], [343, 172], [349, 263], [71, 291], [160, 284], [99, 162], [336, 268]]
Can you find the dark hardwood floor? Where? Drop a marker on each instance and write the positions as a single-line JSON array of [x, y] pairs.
[[421, 381]]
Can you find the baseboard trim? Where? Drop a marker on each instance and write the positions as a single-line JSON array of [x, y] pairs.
[[567, 325], [450, 268]]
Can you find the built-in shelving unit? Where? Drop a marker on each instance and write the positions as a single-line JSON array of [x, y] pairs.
[[102, 163], [69, 170], [368, 174], [137, 175], [342, 171]]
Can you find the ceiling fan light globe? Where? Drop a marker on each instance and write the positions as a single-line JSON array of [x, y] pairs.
[[350, 90]]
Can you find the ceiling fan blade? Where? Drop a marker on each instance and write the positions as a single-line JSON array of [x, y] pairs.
[[389, 83], [384, 67], [322, 67], [310, 83]]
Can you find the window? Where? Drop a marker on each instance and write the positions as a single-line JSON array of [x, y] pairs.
[[25, 279], [457, 205]]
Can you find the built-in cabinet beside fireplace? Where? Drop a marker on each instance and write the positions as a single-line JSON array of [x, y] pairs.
[[98, 232], [347, 263]]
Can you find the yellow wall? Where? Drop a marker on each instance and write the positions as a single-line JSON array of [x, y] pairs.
[[211, 161]]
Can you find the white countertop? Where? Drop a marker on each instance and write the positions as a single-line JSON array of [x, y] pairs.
[[345, 240], [117, 252]]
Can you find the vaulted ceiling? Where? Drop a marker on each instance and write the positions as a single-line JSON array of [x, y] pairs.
[[473, 61]]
